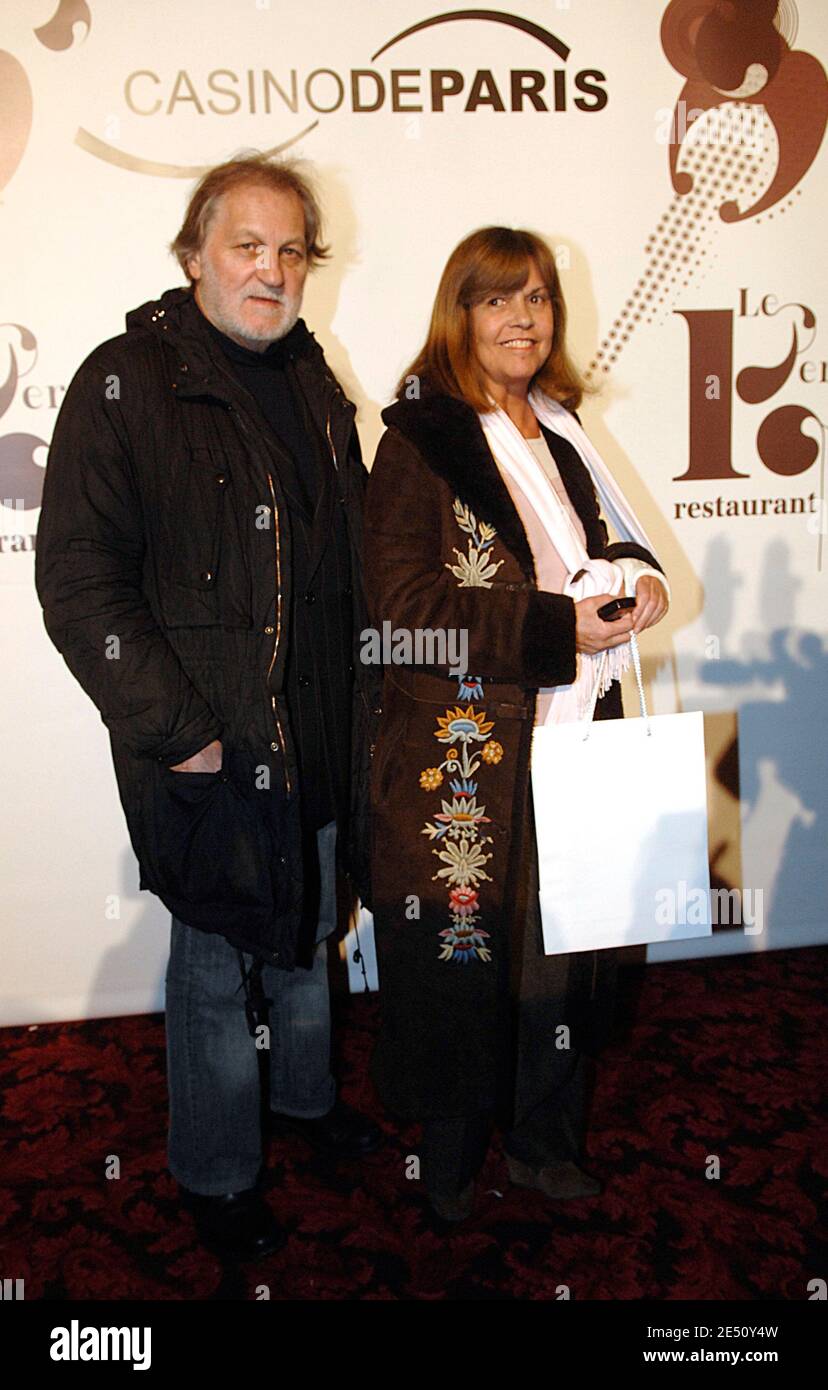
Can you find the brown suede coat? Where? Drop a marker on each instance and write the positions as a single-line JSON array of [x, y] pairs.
[[445, 548]]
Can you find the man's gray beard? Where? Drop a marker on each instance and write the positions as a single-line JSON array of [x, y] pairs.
[[227, 323], [242, 331], [285, 325]]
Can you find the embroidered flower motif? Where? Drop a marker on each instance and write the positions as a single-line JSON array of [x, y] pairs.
[[464, 944], [475, 568], [456, 817], [458, 829], [464, 861], [471, 570], [431, 778], [492, 751], [470, 688], [463, 725], [463, 901]]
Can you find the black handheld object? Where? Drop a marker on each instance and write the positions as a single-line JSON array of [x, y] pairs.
[[613, 610]]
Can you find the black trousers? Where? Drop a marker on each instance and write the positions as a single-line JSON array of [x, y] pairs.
[[552, 1069]]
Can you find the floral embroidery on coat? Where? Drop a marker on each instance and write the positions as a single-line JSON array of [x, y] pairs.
[[459, 828], [475, 568]]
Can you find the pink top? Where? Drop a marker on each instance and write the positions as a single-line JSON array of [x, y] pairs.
[[550, 571]]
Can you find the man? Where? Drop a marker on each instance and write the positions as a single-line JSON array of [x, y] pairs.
[[198, 564]]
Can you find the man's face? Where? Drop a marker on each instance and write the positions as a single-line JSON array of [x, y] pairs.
[[250, 273]]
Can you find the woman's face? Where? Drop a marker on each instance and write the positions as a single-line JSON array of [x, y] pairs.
[[512, 335]]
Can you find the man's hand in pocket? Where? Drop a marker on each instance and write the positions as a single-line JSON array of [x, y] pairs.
[[208, 760]]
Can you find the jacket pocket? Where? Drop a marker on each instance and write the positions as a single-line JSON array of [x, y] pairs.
[[385, 760], [206, 845], [426, 688], [199, 516]]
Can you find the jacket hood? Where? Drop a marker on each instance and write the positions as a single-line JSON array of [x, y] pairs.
[[152, 314]]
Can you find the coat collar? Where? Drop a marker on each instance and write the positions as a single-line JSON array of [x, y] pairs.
[[447, 434], [176, 319]]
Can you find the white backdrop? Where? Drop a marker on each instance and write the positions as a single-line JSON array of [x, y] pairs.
[[108, 113]]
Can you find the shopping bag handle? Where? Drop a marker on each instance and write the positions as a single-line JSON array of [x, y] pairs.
[[636, 657]]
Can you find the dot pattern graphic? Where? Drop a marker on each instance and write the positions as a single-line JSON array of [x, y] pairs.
[[730, 157]]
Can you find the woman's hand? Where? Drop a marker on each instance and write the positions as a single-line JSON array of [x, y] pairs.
[[650, 603], [592, 634]]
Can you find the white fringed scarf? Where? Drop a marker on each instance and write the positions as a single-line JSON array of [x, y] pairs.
[[515, 458]]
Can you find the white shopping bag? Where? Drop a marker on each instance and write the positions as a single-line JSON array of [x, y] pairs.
[[360, 953], [621, 824]]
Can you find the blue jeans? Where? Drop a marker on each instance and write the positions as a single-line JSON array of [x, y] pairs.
[[215, 1139]]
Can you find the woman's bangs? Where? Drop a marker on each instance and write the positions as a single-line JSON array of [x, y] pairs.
[[502, 270]]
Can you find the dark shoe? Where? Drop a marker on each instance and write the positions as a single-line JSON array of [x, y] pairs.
[[342, 1133], [453, 1208], [559, 1178], [239, 1225]]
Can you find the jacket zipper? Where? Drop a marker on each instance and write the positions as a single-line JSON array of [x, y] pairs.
[[279, 584], [281, 737], [330, 438], [278, 630]]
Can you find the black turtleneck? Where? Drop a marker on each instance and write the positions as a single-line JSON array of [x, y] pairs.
[[264, 376]]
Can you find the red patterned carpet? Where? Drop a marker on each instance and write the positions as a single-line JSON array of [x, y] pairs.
[[722, 1057]]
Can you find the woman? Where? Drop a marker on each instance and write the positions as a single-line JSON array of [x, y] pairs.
[[483, 518]]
